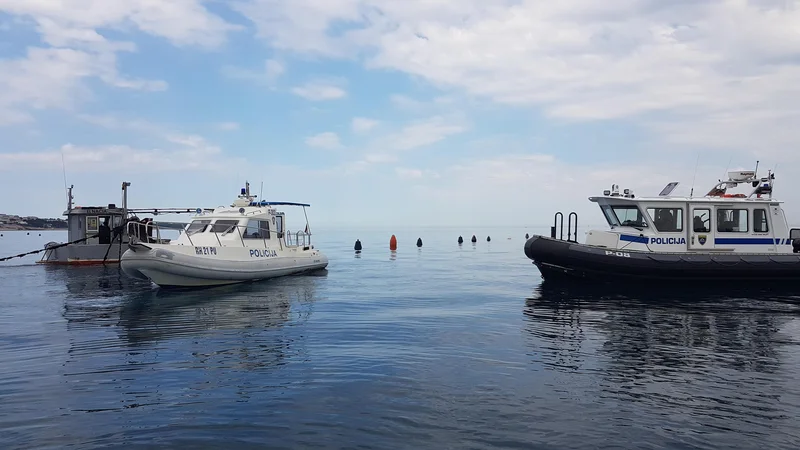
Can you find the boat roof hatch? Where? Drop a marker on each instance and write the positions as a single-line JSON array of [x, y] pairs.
[[668, 189]]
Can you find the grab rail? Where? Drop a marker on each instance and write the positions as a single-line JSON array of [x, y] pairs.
[[297, 239], [134, 229], [555, 222], [560, 235]]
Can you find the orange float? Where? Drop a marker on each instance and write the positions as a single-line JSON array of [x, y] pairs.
[[393, 243]]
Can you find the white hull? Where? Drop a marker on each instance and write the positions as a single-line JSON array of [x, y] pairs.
[[177, 265]]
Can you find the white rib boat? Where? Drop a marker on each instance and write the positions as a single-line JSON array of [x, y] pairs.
[[244, 242]]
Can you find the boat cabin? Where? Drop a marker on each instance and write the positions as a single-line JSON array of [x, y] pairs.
[[98, 223], [97, 234], [716, 222], [103, 225], [245, 223], [93, 225]]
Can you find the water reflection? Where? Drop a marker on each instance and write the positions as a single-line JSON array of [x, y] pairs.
[[656, 329], [186, 346], [718, 358], [152, 315], [89, 282], [142, 315]]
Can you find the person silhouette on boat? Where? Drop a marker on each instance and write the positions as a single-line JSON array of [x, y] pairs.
[[104, 232], [665, 221]]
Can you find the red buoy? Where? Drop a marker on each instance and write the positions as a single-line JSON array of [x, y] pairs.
[[393, 243]]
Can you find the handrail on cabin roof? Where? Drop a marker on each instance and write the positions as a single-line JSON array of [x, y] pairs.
[[268, 203]]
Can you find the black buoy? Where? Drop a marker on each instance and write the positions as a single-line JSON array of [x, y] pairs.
[[460, 240], [419, 242], [488, 239], [358, 245], [527, 236], [474, 239]]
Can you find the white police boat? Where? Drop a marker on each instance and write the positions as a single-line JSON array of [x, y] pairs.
[[244, 242], [721, 236]]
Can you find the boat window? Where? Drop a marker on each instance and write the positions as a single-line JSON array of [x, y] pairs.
[[224, 226], [278, 226], [760, 221], [667, 220], [629, 216], [701, 223], [257, 229], [197, 226], [610, 217], [732, 220]]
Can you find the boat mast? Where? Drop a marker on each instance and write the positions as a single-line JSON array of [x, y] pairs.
[[125, 185], [69, 197]]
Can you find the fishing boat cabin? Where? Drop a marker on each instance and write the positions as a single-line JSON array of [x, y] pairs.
[[99, 234]]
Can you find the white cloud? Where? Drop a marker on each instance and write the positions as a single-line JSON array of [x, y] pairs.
[[327, 140], [273, 69], [699, 61], [423, 133], [112, 122], [228, 126], [193, 140], [55, 76], [318, 91], [379, 158], [92, 159], [300, 25], [268, 75], [406, 102], [363, 124], [551, 185], [403, 172], [67, 22]]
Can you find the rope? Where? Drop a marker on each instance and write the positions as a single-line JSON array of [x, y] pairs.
[[47, 248], [117, 233]]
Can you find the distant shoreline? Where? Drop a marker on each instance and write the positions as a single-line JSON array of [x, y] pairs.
[[24, 228]]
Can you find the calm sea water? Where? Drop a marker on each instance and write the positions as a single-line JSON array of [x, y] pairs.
[[441, 347]]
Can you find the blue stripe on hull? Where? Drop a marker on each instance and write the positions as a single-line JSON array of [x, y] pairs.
[[637, 239], [751, 241], [717, 241]]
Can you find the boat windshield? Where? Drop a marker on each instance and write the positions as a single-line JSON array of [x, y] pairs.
[[197, 226], [624, 215]]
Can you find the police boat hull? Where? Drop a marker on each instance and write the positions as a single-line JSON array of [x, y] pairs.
[[561, 259], [182, 266]]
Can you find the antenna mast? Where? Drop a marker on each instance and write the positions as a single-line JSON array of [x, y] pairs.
[[69, 190], [691, 193]]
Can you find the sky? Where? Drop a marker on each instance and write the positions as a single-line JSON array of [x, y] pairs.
[[385, 112]]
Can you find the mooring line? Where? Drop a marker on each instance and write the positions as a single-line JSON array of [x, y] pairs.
[[48, 248]]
